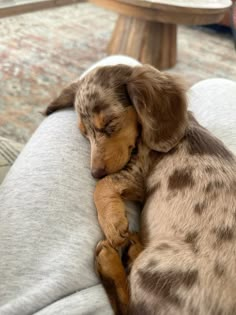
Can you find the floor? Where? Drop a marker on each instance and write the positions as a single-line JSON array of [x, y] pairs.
[[40, 52]]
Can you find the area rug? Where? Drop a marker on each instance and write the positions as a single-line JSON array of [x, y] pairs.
[[41, 52]]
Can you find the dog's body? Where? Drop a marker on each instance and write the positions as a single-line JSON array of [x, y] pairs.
[[189, 226], [185, 178]]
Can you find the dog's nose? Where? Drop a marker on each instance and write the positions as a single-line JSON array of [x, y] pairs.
[[99, 172]]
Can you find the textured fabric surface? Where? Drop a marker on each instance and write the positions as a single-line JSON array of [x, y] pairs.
[[86, 302], [9, 151], [48, 223], [40, 52], [213, 102]]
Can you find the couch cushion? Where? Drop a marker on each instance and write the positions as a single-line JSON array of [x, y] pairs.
[[213, 103], [9, 151]]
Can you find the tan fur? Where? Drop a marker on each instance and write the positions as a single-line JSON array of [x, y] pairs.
[[98, 121], [82, 128], [121, 142], [184, 177], [114, 279]]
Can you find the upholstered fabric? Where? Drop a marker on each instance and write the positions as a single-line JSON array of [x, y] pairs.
[[48, 224], [213, 102]]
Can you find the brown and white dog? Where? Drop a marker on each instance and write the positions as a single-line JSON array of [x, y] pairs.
[[147, 147]]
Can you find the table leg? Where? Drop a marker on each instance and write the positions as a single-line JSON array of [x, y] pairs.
[[149, 42]]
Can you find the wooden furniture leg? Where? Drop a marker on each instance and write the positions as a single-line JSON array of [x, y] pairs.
[[148, 41]]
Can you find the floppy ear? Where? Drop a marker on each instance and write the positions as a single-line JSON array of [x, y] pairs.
[[160, 102], [64, 100]]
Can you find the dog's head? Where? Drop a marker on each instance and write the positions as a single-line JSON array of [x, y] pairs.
[[116, 103]]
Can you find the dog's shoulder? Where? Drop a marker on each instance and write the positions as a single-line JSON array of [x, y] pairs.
[[200, 142]]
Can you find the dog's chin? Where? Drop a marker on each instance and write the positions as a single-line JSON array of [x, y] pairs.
[[121, 166], [112, 167], [117, 169]]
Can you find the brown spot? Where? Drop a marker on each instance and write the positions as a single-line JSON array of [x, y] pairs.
[[191, 238], [225, 210], [209, 169], [219, 184], [166, 283], [210, 217], [224, 234], [233, 187], [216, 310], [174, 227], [91, 96], [193, 310], [171, 195], [213, 196], [103, 76], [181, 179], [84, 115], [201, 142], [152, 264], [199, 207], [234, 214], [139, 308], [99, 106], [153, 189], [232, 310], [223, 170], [219, 270], [163, 246], [209, 187], [214, 185]]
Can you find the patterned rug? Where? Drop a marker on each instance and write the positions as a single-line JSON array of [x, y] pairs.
[[41, 52]]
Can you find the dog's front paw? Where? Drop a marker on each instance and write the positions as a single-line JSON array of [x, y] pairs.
[[107, 261], [115, 229], [131, 250], [135, 246]]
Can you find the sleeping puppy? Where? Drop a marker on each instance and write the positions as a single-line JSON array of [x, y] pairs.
[[147, 147]]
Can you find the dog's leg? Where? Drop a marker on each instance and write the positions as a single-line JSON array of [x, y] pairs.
[[113, 277], [131, 250], [108, 198], [111, 212]]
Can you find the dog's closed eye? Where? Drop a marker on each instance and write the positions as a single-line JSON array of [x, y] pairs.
[[109, 127]]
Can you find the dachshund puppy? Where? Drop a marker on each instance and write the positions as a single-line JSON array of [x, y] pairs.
[[147, 147]]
